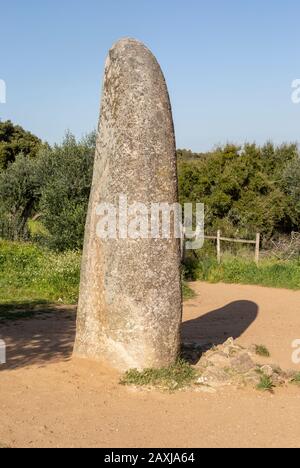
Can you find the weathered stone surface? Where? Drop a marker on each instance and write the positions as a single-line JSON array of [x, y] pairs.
[[130, 304], [252, 378], [214, 377], [231, 364], [242, 363], [267, 370], [219, 359]]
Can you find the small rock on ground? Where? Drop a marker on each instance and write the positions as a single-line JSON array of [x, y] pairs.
[[231, 364]]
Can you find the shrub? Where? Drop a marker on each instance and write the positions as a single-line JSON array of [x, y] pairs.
[[65, 191], [262, 351], [265, 384]]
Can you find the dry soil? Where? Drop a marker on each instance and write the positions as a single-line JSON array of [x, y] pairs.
[[48, 399]]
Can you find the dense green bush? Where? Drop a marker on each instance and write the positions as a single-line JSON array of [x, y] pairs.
[[20, 189], [66, 174], [245, 190], [44, 198], [14, 140], [290, 183]]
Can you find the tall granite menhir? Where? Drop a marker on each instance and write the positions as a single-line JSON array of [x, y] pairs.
[[130, 304]]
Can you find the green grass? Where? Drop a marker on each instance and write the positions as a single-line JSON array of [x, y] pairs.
[[175, 377], [265, 384], [187, 292], [30, 274], [262, 351], [296, 379], [242, 270]]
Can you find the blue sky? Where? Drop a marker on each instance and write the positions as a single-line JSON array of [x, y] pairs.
[[229, 64]]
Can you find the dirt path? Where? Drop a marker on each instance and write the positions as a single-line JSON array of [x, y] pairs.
[[49, 400]]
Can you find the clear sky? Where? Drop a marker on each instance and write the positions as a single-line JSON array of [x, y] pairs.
[[229, 64]]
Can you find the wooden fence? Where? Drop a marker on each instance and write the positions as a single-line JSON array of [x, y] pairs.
[[221, 239]]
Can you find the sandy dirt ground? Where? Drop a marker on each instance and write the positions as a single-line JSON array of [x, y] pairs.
[[49, 400]]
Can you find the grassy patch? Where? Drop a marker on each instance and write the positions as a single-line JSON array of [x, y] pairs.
[[262, 351], [175, 377], [242, 270], [265, 384], [30, 274]]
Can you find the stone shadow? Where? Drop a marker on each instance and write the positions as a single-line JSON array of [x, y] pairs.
[[215, 327], [36, 334]]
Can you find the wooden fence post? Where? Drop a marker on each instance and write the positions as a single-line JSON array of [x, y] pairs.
[[257, 247], [219, 246]]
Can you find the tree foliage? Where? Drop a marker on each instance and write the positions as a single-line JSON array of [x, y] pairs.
[[45, 196], [15, 140], [245, 190], [66, 174], [44, 190], [20, 190]]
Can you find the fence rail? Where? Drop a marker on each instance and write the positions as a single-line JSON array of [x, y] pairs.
[[221, 239]]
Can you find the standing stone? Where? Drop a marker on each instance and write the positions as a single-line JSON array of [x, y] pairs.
[[130, 305]]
